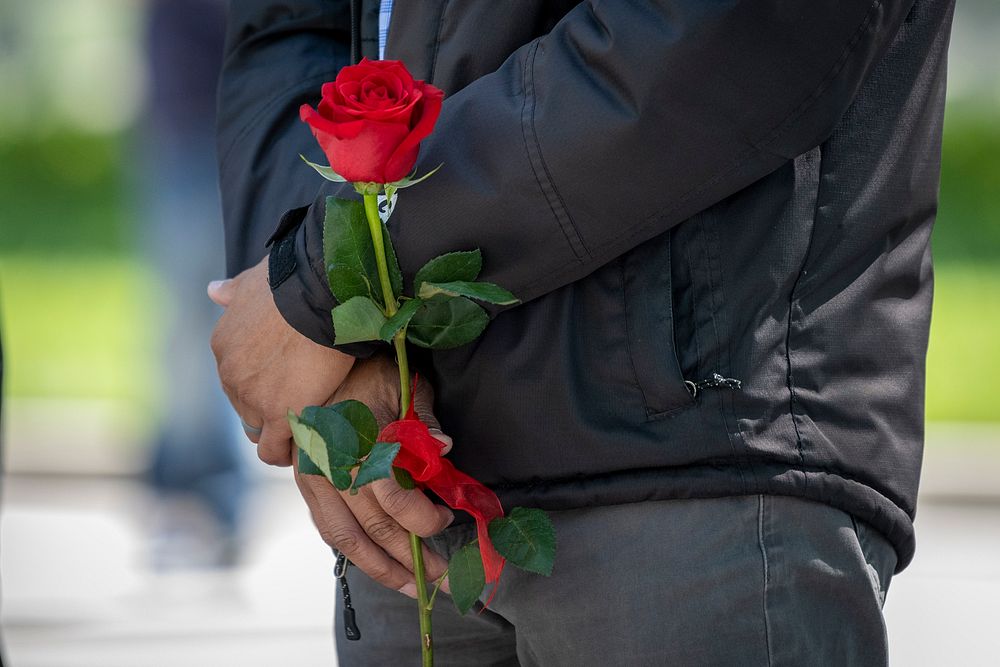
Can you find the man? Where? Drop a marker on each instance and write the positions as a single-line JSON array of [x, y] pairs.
[[717, 217]]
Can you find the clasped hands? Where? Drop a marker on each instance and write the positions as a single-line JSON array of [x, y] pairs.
[[267, 368]]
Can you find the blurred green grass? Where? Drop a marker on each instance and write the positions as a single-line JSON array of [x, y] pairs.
[[79, 323], [78, 328]]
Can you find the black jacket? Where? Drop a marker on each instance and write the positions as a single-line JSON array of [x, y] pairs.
[[675, 190]]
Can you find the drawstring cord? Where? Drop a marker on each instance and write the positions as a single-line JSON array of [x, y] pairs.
[[340, 573]]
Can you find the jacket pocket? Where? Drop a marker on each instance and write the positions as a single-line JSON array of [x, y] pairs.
[[649, 323]]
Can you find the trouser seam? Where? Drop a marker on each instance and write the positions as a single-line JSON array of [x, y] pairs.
[[766, 573]]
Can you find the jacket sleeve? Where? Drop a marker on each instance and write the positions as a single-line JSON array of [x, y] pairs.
[[277, 55], [627, 118]]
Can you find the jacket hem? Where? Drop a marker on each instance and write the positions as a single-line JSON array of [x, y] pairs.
[[713, 481]]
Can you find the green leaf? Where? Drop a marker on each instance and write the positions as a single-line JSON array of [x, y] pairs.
[[466, 577], [404, 479], [340, 479], [347, 241], [346, 283], [525, 537], [315, 453], [483, 291], [364, 423], [311, 443], [337, 433], [306, 465], [357, 319], [400, 319], [463, 265], [378, 465], [443, 323], [326, 172]]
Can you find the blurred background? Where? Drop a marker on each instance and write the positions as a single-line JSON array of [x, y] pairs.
[[137, 529]]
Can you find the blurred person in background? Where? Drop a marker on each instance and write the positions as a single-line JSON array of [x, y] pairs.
[[197, 464]]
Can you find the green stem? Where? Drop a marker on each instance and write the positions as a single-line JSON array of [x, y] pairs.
[[399, 342], [375, 227], [426, 645]]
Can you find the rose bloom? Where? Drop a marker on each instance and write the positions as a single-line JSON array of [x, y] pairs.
[[372, 119]]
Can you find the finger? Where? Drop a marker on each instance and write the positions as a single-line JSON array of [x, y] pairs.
[[388, 534], [339, 529], [445, 440], [423, 403], [252, 435], [274, 445], [411, 508], [248, 418], [434, 565], [221, 291]]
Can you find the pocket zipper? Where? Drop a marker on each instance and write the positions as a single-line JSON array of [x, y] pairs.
[[713, 382]]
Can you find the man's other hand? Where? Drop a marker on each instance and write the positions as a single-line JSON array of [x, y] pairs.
[[372, 527], [267, 367]]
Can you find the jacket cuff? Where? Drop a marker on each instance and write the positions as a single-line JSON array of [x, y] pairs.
[[298, 283]]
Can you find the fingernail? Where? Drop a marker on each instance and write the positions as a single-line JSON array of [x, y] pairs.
[[409, 590], [445, 586], [441, 437], [215, 284], [448, 515]]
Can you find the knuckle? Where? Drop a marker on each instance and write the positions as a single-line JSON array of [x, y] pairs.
[[395, 500], [227, 367], [215, 342], [276, 417], [382, 529], [346, 540], [275, 456]]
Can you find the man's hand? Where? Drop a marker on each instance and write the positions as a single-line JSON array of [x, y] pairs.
[[372, 528], [267, 367]]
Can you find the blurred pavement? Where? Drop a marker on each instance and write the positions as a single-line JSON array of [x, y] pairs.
[[78, 592]]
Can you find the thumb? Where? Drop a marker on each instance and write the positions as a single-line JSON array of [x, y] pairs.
[[443, 438], [221, 291]]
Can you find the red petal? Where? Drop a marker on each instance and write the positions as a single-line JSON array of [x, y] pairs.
[[426, 114]]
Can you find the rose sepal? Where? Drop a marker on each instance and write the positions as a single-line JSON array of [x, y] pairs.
[[326, 172]]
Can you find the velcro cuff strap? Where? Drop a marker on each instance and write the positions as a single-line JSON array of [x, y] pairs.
[[281, 261]]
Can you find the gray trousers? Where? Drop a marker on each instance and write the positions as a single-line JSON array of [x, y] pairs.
[[745, 581]]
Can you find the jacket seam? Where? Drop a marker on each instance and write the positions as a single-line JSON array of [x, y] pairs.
[[766, 576], [793, 402], [710, 235], [437, 42], [712, 462], [628, 342], [551, 193]]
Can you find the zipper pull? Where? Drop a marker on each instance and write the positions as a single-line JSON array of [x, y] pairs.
[[713, 382], [340, 573]]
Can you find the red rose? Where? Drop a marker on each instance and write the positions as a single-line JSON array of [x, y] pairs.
[[372, 119]]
